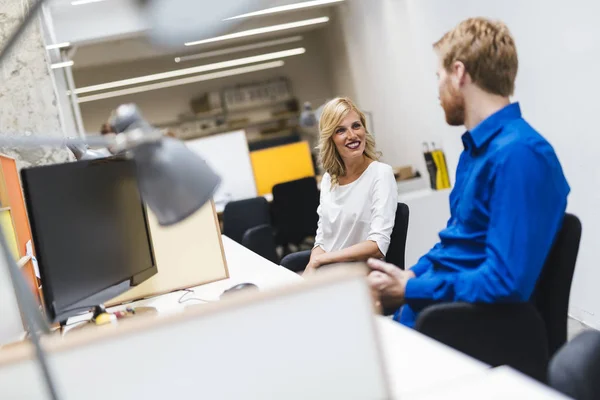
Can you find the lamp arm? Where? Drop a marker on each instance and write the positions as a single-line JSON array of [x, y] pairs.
[[9, 140], [34, 320], [116, 143]]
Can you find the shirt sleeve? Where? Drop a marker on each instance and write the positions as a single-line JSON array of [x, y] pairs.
[[526, 210], [319, 239], [424, 263], [383, 209]]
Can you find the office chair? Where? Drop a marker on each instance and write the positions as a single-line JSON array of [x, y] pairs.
[[575, 368], [261, 240], [296, 262], [523, 336], [294, 211], [397, 249], [239, 216], [273, 142]]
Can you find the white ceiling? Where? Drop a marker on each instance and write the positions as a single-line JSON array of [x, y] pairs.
[[139, 47], [112, 31]]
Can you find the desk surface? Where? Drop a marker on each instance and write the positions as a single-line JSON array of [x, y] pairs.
[[498, 384], [414, 362]]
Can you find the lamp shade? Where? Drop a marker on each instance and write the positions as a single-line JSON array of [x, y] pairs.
[[173, 180]]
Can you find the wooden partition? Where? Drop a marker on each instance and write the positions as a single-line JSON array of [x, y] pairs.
[[13, 212], [187, 254], [314, 340]]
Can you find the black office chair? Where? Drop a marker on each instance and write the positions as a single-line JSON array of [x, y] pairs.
[[294, 211], [523, 336], [239, 216], [575, 368], [296, 262], [397, 249], [261, 240]]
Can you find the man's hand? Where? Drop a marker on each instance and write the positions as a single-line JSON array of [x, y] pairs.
[[389, 282]]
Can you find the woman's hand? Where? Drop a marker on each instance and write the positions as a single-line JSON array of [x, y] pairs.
[[314, 264]]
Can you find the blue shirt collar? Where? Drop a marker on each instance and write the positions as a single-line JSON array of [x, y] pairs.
[[489, 127]]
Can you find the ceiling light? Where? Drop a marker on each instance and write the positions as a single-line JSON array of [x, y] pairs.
[[62, 64], [237, 49], [81, 2], [192, 70], [259, 31], [289, 7], [58, 45], [183, 81]]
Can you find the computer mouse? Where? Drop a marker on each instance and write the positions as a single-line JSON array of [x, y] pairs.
[[240, 287]]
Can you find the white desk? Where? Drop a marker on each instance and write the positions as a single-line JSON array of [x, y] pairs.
[[414, 362], [243, 265], [499, 384], [418, 367]]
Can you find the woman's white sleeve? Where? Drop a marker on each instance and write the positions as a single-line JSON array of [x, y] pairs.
[[383, 209]]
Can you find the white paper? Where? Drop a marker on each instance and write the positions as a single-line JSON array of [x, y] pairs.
[[29, 248]]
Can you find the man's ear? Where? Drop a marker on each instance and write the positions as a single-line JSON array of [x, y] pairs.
[[460, 74]]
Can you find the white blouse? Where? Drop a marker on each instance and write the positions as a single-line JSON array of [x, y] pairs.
[[359, 211]]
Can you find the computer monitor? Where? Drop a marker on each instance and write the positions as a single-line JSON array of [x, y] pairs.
[[90, 231]]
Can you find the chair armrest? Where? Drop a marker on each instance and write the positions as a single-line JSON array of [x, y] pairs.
[[497, 334]]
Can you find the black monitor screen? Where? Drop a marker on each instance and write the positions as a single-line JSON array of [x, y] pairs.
[[90, 231]]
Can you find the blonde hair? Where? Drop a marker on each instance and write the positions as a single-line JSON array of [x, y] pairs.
[[487, 50], [332, 115]]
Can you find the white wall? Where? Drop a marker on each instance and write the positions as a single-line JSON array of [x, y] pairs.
[[557, 85], [391, 81], [308, 73]]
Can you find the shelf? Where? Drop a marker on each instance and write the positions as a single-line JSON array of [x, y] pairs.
[[228, 128]]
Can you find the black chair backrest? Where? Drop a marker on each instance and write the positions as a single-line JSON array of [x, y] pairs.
[[261, 240], [397, 250], [575, 368], [239, 216], [273, 142], [294, 210], [553, 290]]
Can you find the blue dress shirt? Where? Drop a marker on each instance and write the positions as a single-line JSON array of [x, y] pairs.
[[506, 209]]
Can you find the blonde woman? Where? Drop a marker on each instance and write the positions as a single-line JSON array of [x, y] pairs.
[[359, 195]]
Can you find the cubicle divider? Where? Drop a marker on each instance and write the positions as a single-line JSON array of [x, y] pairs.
[[313, 340], [187, 254], [14, 213], [228, 155], [281, 164]]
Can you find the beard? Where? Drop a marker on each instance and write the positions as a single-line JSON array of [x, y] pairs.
[[453, 104]]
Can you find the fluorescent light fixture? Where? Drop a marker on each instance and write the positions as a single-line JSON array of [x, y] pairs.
[[183, 81], [192, 70], [81, 2], [259, 31], [62, 65], [237, 49], [289, 7], [58, 45]]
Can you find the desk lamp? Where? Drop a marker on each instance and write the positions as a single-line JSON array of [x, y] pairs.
[[164, 164]]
